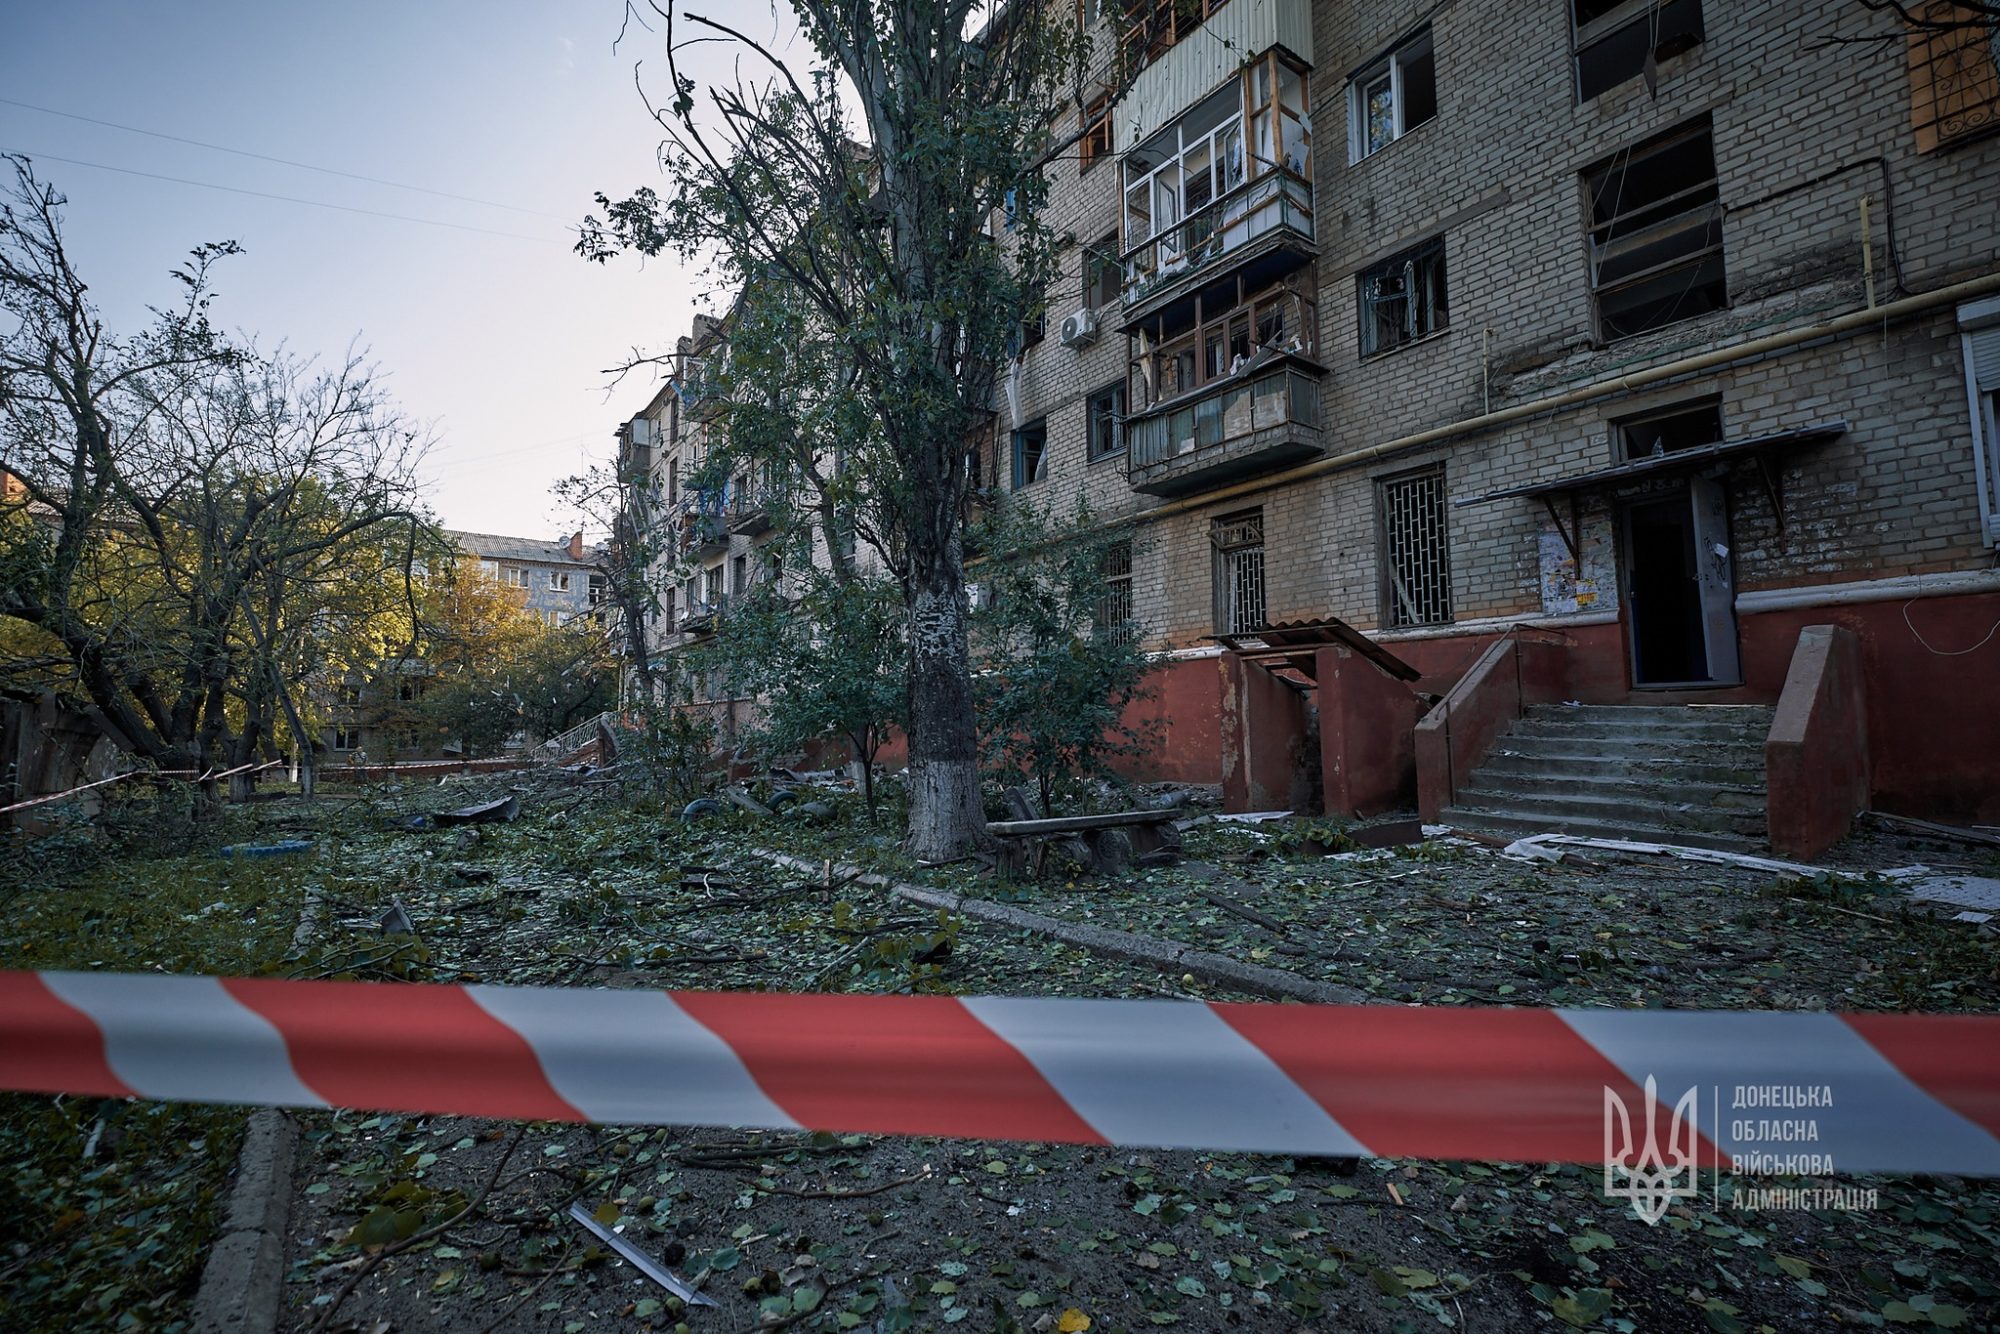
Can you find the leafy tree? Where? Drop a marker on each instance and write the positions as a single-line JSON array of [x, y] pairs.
[[1059, 666], [876, 228], [190, 505], [824, 659]]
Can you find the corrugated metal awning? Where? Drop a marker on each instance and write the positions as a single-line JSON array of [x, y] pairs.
[[1661, 465]]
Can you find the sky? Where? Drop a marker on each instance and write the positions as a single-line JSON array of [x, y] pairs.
[[497, 341]]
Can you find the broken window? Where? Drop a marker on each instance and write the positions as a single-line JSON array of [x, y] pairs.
[[1096, 142], [739, 576], [1412, 540], [1113, 611], [1402, 299], [1669, 429], [1655, 218], [1238, 540], [671, 609], [559, 581], [1103, 275], [1031, 454], [1954, 74], [1392, 97], [1618, 40], [1105, 422]]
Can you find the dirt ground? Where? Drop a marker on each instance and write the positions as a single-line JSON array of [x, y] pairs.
[[886, 1234], [828, 1232]]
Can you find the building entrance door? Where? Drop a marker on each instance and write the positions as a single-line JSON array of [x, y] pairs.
[[1680, 588]]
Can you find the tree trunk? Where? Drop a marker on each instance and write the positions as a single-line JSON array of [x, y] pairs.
[[947, 819]]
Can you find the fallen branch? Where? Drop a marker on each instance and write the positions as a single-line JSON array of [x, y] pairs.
[[1246, 912], [857, 1193], [418, 1238]]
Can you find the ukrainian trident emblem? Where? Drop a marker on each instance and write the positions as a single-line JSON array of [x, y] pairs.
[[1652, 1180]]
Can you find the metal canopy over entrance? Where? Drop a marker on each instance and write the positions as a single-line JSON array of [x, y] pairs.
[[1295, 642], [1764, 450]]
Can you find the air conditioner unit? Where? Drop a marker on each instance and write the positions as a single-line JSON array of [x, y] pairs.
[[1080, 329]]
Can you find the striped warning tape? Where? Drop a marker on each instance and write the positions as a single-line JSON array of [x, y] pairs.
[[1863, 1093]]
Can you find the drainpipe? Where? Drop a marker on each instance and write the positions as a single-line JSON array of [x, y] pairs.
[[1866, 318]]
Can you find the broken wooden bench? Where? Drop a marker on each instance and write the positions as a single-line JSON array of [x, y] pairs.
[[1105, 844]]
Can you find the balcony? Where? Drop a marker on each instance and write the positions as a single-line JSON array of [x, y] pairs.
[[699, 619], [751, 510], [1255, 423], [1264, 225], [702, 529]]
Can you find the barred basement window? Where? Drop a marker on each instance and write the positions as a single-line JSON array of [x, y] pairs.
[[1655, 218], [1415, 560], [1402, 299], [1238, 540], [1114, 604]]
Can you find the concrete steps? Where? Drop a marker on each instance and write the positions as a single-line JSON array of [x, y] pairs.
[[1667, 774]]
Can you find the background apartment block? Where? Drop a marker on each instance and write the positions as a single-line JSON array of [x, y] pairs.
[[1669, 327]]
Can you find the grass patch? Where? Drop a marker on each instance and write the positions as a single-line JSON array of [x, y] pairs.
[[108, 1207]]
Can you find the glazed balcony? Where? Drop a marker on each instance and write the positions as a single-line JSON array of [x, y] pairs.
[[1263, 227], [1250, 424]]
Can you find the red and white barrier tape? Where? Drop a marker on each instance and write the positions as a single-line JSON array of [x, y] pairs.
[[1881, 1093]]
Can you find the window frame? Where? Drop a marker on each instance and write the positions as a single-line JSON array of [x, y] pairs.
[[1621, 452], [1978, 110], [558, 581], [1039, 425], [1388, 613], [1596, 251], [1390, 65], [1115, 411], [1226, 539], [1979, 322], [1100, 258], [1115, 575], [1587, 35], [1095, 145], [1408, 263]]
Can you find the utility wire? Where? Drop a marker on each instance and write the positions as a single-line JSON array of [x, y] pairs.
[[281, 161], [288, 199]]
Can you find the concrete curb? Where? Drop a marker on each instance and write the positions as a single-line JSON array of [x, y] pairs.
[[245, 1273], [244, 1279], [1166, 955]]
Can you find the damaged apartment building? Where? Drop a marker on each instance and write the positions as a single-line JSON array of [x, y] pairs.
[[1576, 414]]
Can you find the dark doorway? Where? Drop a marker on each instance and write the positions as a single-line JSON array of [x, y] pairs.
[[1663, 594]]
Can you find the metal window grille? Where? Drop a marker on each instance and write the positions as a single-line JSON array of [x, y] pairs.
[[1239, 572], [1114, 604], [1416, 565]]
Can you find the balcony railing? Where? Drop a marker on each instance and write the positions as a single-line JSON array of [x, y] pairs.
[[1279, 201], [751, 508], [1203, 431]]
